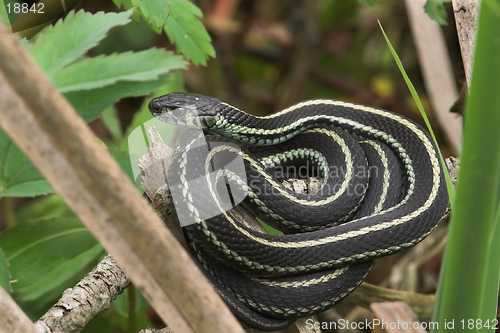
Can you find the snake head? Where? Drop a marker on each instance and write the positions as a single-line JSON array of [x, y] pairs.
[[186, 109]]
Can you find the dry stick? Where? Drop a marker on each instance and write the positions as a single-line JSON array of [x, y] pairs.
[[91, 296], [397, 313], [466, 16], [12, 318], [152, 330], [303, 326], [46, 128], [436, 69], [366, 294], [404, 273]]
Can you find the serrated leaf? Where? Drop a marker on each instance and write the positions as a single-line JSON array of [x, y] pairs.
[[34, 250], [68, 40], [436, 11], [90, 103], [185, 30], [155, 11], [5, 276], [18, 177], [127, 4], [102, 71]]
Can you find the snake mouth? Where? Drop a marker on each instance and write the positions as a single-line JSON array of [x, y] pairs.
[[184, 110], [183, 116]]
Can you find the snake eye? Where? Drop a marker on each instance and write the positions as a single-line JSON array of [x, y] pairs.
[[178, 112]]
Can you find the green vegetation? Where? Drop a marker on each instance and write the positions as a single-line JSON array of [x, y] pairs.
[[468, 285]]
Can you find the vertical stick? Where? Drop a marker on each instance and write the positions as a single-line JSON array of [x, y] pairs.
[[466, 16], [436, 70]]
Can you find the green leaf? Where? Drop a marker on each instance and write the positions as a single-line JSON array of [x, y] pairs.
[[112, 122], [4, 17], [36, 249], [436, 11], [43, 208], [90, 103], [137, 15], [70, 39], [18, 177], [123, 159], [418, 102], [59, 275], [25, 44], [102, 324], [270, 230], [185, 29], [5, 276], [121, 303], [155, 11], [102, 71], [472, 262], [127, 4]]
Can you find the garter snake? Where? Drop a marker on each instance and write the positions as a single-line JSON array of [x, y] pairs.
[[387, 195]]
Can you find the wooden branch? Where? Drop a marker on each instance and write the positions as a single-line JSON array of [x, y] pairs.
[[154, 165], [82, 303], [397, 312], [466, 17], [46, 128], [152, 330], [12, 318], [302, 326], [366, 294], [436, 70]]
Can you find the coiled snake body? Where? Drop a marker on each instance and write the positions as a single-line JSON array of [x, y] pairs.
[[383, 191]]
